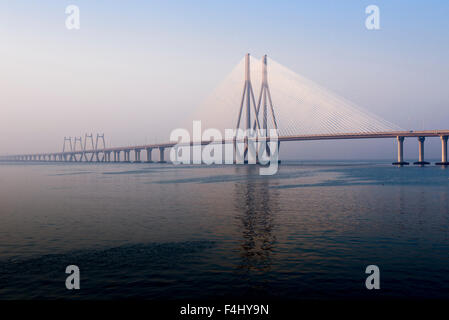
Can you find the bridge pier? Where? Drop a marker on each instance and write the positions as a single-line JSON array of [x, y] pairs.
[[116, 156], [126, 154], [137, 156], [400, 161], [444, 161], [149, 155], [421, 161], [161, 155]]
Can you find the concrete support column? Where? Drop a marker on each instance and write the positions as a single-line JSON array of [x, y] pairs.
[[161, 155], [400, 161], [149, 155], [421, 148], [421, 161], [443, 152], [126, 153], [137, 156]]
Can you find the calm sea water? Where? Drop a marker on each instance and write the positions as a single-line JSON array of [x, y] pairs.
[[198, 232]]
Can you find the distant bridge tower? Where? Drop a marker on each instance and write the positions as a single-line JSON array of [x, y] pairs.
[[264, 94], [247, 98], [100, 137], [80, 140], [88, 137], [69, 139], [250, 103], [264, 102]]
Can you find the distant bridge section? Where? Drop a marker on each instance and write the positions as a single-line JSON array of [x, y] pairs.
[[113, 154]]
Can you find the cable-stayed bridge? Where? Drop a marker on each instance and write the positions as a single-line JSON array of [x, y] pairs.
[[295, 107]]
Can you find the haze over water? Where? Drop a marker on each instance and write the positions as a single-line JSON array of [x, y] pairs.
[[206, 232]]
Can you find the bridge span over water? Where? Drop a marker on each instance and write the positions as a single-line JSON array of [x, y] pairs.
[[114, 154], [304, 112]]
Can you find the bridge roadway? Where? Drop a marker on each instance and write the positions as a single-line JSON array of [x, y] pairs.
[[104, 155]]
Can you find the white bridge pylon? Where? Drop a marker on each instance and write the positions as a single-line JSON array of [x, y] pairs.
[[286, 101]]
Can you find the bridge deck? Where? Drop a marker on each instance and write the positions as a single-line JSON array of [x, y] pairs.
[[371, 135]]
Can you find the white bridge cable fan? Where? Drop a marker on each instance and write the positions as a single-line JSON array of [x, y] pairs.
[[301, 107]]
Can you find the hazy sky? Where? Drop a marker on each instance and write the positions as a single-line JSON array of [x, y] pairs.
[[137, 69]]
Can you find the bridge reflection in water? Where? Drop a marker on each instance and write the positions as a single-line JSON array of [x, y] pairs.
[[257, 207]]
